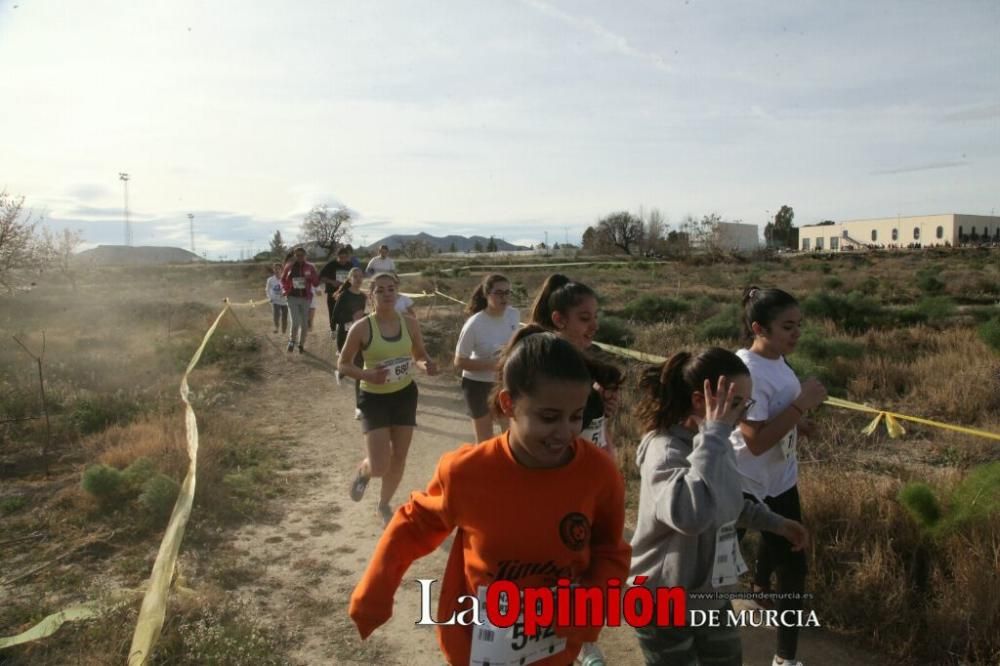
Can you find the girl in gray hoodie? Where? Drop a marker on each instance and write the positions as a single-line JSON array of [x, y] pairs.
[[691, 501]]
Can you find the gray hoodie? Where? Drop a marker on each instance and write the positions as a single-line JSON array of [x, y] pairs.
[[690, 486]]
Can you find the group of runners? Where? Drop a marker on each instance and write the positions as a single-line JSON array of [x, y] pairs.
[[295, 288], [544, 499]]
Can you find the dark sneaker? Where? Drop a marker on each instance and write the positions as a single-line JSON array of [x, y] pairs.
[[359, 485], [291, 347], [301, 350]]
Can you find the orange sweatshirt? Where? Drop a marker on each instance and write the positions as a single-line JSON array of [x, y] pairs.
[[514, 523]]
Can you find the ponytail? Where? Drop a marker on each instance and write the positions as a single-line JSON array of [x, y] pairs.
[[531, 356], [666, 389], [763, 306], [346, 284], [558, 294], [477, 300]]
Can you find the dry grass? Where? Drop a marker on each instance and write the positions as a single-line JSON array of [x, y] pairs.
[[875, 574], [112, 371]]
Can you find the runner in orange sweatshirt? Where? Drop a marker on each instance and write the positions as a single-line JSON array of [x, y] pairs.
[[531, 506]]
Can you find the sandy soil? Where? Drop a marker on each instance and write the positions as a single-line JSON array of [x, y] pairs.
[[314, 556]]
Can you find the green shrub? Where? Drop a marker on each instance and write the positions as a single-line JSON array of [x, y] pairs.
[[723, 326], [854, 312], [615, 331], [833, 282], [651, 308], [929, 310], [138, 472], [107, 484], [95, 413], [227, 347], [977, 497], [928, 281], [922, 505], [990, 333], [11, 504], [158, 495], [820, 347]]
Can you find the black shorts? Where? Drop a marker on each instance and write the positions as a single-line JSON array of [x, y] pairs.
[[477, 396], [382, 410]]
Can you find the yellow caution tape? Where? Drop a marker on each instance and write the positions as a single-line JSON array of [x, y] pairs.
[[895, 429], [153, 611], [638, 355], [450, 298], [51, 624], [422, 294]]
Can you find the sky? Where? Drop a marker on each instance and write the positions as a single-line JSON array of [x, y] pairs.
[[493, 117]]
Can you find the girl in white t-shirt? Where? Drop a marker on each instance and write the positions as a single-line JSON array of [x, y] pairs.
[[483, 337], [765, 443], [279, 304]]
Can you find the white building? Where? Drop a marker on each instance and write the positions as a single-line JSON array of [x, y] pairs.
[[735, 236], [900, 232]]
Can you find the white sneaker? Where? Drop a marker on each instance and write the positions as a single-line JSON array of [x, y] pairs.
[[778, 661], [357, 414]]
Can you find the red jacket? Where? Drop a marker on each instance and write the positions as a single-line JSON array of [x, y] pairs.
[[308, 271]]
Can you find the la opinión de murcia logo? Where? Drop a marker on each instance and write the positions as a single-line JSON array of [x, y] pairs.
[[503, 604]]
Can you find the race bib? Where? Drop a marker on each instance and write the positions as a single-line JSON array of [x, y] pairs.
[[398, 368], [788, 443], [276, 289], [594, 433], [342, 276], [494, 646], [729, 564], [298, 283]]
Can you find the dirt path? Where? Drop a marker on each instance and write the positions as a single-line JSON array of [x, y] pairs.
[[310, 561]]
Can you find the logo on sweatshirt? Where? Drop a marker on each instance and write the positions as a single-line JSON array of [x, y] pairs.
[[574, 530]]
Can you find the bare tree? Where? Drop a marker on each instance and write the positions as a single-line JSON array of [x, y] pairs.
[[326, 228], [59, 249], [20, 245], [655, 230], [623, 229]]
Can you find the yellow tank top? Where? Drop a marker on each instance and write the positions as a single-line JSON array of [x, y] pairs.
[[396, 355]]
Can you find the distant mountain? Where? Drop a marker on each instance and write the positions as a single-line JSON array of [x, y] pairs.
[[444, 244], [123, 254]]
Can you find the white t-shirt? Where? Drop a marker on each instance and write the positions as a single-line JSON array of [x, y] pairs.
[[403, 303], [483, 336], [274, 291], [775, 386], [380, 265]]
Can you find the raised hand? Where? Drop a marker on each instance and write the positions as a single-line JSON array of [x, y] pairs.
[[719, 405]]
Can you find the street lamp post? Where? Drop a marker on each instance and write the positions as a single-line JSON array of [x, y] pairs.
[[191, 226], [122, 176]]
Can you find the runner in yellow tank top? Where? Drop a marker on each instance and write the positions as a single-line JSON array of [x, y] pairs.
[[390, 344], [390, 352]]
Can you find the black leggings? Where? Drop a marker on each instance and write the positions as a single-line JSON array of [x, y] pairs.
[[776, 556]]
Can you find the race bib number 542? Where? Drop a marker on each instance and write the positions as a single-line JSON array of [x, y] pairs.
[[510, 646]]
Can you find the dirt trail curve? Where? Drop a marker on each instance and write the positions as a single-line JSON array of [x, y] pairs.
[[311, 559]]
